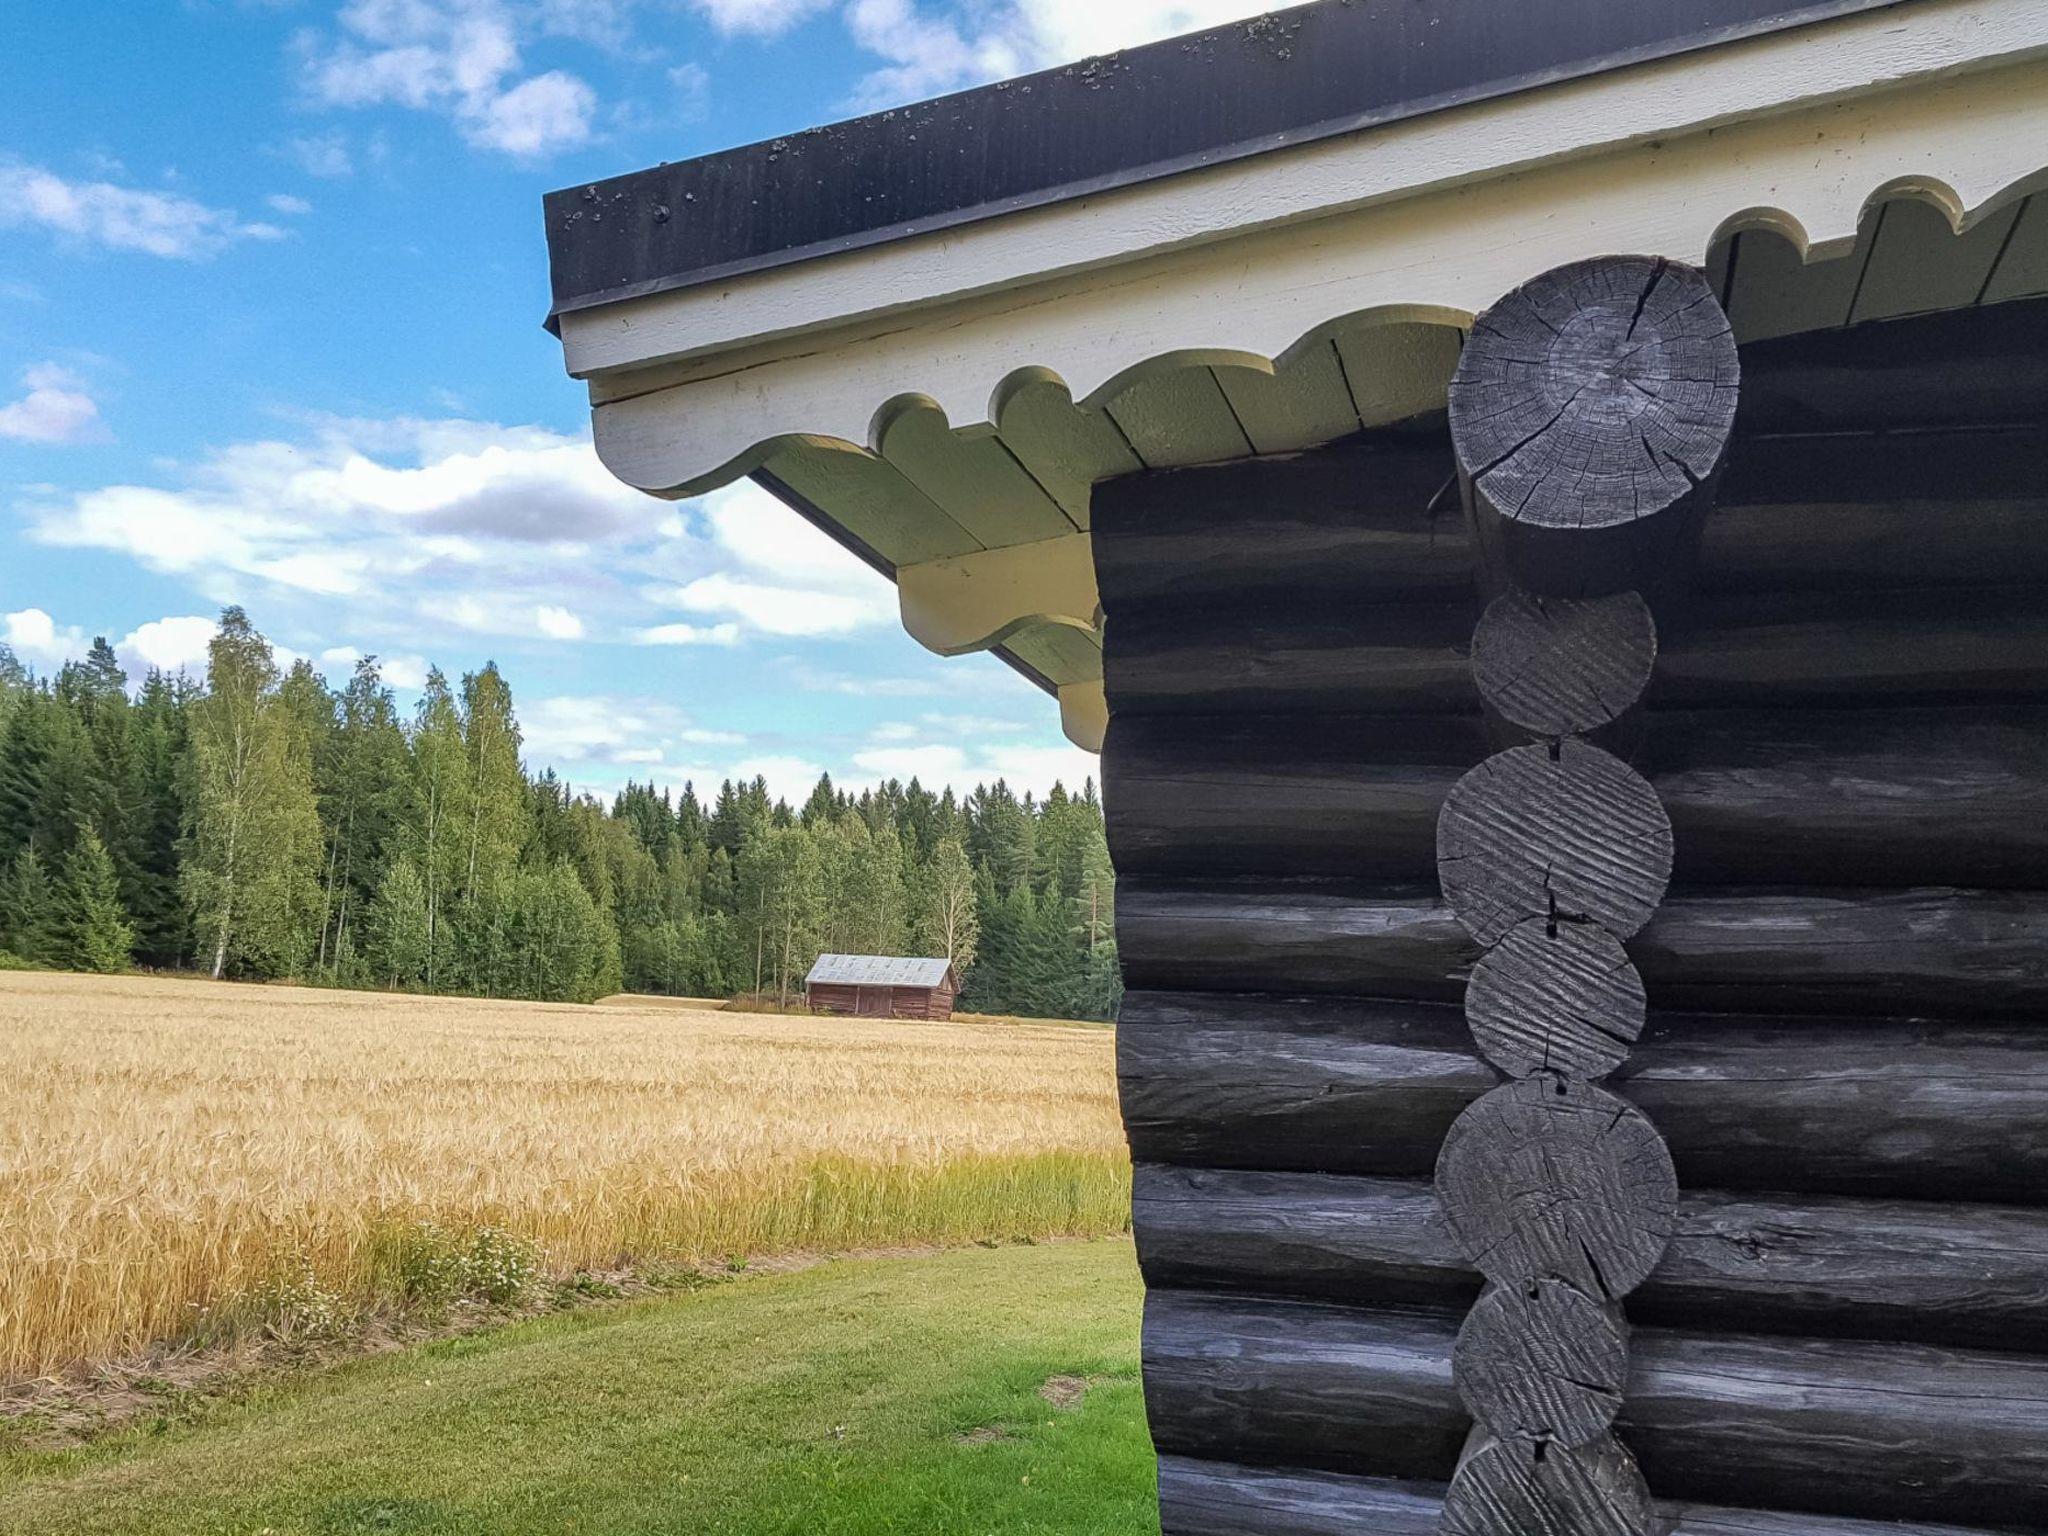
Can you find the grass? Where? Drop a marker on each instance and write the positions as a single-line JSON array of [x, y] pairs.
[[187, 1161], [853, 1399]]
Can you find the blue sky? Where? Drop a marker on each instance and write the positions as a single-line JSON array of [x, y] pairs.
[[271, 283]]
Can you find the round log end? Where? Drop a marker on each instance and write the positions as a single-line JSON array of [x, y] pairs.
[[1528, 1488], [1546, 1179], [1556, 999], [1542, 1361], [1596, 395], [1556, 665], [1560, 831]]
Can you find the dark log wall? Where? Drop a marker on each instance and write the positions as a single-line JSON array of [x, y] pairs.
[[881, 1002], [1846, 981]]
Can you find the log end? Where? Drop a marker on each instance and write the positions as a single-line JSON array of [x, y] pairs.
[[1596, 395]]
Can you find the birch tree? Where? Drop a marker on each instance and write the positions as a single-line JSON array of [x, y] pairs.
[[436, 813], [252, 830], [948, 919]]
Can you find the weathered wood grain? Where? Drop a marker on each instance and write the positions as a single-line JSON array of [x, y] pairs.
[[1855, 509], [1920, 951], [1794, 511], [1561, 999], [1754, 648], [1545, 1178], [1841, 1427], [1541, 1362], [1591, 410], [1224, 1498], [1224, 1375], [1556, 665], [1376, 514], [1522, 1488], [1786, 797], [1932, 1272], [1565, 832], [1959, 366], [1843, 1106]]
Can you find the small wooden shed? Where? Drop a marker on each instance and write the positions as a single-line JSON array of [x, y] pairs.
[[883, 986]]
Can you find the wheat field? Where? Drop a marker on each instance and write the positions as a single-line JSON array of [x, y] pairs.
[[171, 1148]]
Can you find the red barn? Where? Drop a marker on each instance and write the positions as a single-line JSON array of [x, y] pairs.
[[883, 986]]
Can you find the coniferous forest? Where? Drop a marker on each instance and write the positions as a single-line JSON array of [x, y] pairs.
[[263, 825]]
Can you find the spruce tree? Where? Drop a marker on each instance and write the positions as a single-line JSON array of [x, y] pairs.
[[28, 910], [90, 931], [153, 797]]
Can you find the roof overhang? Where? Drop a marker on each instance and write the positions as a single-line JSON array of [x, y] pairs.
[[937, 364]]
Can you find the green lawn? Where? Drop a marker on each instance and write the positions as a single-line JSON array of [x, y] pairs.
[[842, 1399]]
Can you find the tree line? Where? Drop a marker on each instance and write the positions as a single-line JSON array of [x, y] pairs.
[[261, 824]]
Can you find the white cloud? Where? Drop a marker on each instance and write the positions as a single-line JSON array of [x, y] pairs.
[[862, 686], [789, 777], [120, 218], [789, 611], [458, 57], [550, 111], [790, 580], [937, 764], [587, 732], [466, 522], [757, 18], [171, 644], [404, 671], [692, 86], [393, 531], [325, 155], [1060, 30], [33, 636], [944, 45], [286, 203], [557, 623], [688, 634], [499, 613], [55, 409]]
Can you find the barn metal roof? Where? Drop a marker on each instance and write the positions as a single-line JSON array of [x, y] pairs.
[[879, 971]]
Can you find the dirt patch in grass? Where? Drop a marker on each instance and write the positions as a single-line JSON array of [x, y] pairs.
[[1065, 1391]]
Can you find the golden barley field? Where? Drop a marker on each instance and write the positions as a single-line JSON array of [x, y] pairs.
[[171, 1148]]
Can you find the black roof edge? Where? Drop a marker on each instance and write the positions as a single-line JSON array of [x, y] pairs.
[[1293, 76]]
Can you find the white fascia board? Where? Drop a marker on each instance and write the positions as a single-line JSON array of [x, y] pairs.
[[1969, 140], [1828, 61]]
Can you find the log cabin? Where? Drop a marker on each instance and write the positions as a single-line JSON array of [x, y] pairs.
[[1543, 510], [882, 986]]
